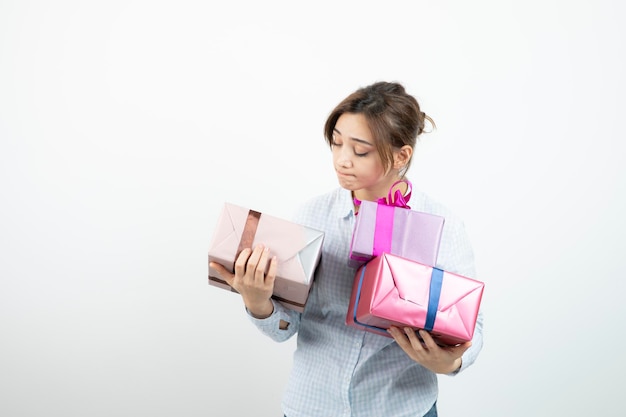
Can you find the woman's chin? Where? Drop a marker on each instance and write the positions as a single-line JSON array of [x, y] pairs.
[[347, 183]]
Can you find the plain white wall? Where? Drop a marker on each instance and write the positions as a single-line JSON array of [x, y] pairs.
[[124, 126]]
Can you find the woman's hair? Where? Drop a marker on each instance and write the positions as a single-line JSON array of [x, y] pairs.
[[393, 116]]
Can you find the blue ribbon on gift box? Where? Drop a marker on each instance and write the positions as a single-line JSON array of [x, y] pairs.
[[436, 282]]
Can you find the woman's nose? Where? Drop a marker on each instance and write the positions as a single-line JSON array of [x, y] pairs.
[[344, 162], [344, 158]]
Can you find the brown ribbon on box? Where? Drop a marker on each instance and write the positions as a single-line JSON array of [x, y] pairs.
[[249, 230], [247, 237]]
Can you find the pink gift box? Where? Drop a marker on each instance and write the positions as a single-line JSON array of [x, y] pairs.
[[391, 290], [380, 228], [297, 248]]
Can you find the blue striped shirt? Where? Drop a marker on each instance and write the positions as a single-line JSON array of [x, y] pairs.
[[339, 370]]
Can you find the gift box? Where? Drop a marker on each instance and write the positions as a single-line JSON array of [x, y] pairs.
[[383, 228], [392, 290], [297, 248]]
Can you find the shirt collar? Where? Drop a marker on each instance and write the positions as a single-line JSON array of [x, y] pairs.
[[346, 203]]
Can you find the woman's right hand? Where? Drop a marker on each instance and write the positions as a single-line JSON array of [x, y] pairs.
[[253, 279]]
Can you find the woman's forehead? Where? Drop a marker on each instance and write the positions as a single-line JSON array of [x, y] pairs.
[[354, 126]]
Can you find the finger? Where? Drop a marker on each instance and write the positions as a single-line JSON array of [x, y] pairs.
[[241, 262], [261, 267], [223, 272], [416, 342], [429, 342], [271, 272], [460, 349], [400, 338], [253, 262]]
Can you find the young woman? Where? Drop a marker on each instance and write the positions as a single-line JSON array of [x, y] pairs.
[[340, 370]]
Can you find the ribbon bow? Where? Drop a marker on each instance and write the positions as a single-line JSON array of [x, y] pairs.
[[394, 198]]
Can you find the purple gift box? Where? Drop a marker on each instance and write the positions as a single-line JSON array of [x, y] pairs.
[[381, 227]]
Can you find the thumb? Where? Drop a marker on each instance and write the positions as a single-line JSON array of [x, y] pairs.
[[223, 272], [460, 349]]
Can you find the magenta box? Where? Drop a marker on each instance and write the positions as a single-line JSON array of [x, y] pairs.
[[391, 290], [380, 228]]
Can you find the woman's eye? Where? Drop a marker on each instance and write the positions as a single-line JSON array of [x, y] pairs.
[[361, 154]]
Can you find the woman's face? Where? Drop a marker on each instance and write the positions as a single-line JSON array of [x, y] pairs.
[[356, 160]]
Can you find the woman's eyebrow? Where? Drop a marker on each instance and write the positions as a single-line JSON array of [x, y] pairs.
[[363, 141]]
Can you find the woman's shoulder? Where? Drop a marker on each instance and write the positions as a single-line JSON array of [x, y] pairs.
[[334, 203], [423, 202], [455, 253]]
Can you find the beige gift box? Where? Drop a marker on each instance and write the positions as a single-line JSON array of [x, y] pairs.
[[297, 248]]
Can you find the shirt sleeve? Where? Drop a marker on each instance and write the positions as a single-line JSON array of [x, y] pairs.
[[470, 355], [458, 257], [270, 326]]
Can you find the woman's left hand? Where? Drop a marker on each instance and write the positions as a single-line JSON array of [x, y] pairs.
[[439, 359]]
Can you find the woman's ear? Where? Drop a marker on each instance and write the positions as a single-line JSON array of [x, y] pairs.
[[402, 156]]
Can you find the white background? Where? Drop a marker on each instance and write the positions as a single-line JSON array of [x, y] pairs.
[[125, 125]]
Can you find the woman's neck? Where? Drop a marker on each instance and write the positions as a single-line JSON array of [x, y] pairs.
[[382, 192]]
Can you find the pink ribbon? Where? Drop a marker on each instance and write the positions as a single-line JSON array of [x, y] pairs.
[[395, 199], [383, 229]]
